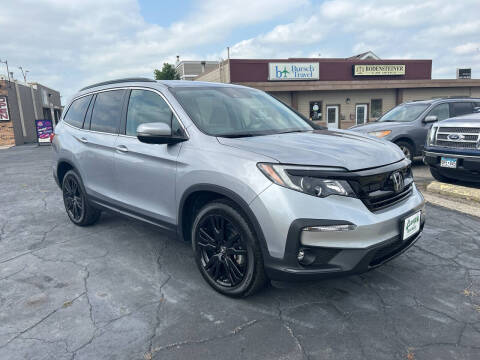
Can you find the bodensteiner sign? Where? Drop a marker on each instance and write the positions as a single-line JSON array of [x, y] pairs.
[[293, 71]]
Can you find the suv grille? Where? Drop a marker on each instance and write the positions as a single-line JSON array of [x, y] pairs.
[[458, 137], [377, 191]]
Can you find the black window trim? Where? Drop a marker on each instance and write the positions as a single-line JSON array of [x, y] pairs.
[[124, 109], [116, 131], [65, 112]]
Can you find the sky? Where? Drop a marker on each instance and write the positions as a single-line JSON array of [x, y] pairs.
[[69, 44]]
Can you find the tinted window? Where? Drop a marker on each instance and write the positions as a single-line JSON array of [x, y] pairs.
[[406, 112], [440, 111], [460, 108], [76, 111], [107, 111], [148, 107]]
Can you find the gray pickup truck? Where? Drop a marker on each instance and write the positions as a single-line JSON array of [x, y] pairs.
[[452, 150], [407, 124]]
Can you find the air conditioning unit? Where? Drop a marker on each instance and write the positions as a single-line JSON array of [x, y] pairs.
[[464, 73]]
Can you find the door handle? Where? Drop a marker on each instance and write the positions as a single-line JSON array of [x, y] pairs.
[[121, 148], [83, 140]]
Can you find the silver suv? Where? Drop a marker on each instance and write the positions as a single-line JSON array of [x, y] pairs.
[[259, 191]]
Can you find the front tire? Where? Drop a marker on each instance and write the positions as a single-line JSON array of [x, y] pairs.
[[407, 149], [78, 209], [226, 250]]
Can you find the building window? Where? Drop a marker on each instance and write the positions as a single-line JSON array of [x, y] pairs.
[[376, 108], [47, 115], [316, 110]]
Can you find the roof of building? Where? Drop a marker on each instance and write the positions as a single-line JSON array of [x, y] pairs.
[[365, 56]]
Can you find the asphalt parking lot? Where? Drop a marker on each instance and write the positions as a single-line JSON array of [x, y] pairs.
[[123, 290]]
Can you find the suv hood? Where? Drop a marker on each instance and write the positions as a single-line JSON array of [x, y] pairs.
[[345, 149], [377, 126]]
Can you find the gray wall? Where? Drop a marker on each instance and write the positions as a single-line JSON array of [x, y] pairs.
[[28, 109]]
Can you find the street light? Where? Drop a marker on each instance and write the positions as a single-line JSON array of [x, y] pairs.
[[24, 74]]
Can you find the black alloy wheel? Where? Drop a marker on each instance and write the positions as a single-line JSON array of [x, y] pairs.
[[73, 199], [223, 251], [76, 204], [226, 250]]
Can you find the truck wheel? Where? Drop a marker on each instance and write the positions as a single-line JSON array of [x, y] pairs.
[[407, 149], [226, 250]]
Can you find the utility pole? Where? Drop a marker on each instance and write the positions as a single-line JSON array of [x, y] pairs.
[[24, 74], [8, 72]]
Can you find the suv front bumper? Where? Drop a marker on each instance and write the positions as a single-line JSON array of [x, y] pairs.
[[375, 237]]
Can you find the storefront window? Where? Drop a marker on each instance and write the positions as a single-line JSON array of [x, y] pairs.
[[376, 107], [316, 110]]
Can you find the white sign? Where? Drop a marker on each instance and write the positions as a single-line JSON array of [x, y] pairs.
[[4, 109], [293, 71]]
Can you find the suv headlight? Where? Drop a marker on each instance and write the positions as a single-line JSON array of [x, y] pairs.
[[311, 185], [380, 134], [431, 135]]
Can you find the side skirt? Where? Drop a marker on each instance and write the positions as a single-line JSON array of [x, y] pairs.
[[107, 206]]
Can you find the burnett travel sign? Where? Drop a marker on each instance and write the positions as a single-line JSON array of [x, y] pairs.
[[378, 70], [293, 71], [4, 109]]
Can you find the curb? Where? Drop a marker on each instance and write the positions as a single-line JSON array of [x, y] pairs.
[[456, 191]]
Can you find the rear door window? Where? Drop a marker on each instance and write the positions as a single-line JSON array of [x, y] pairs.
[[460, 108], [441, 111], [107, 111], [76, 112]]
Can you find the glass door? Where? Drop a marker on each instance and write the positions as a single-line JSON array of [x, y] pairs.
[[361, 111], [332, 116]]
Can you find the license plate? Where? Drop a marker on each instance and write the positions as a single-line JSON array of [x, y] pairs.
[[448, 162], [411, 225]]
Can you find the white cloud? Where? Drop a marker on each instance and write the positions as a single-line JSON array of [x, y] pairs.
[[68, 44]]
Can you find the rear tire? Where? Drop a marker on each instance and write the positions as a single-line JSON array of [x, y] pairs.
[[439, 177], [78, 209], [407, 149], [226, 250]]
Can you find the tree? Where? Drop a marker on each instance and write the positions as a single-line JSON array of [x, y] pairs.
[[167, 73]]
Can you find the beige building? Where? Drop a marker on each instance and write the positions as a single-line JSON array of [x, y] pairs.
[[340, 93], [189, 70]]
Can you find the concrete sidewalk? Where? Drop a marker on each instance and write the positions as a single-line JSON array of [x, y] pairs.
[[455, 191]]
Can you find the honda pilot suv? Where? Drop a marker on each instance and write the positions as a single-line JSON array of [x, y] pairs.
[[260, 192], [452, 150]]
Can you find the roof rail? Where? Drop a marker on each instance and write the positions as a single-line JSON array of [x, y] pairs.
[[140, 79]]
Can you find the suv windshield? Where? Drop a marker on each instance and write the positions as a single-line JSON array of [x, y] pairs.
[[407, 112], [236, 112]]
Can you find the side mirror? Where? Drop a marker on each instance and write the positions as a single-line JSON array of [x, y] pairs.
[[476, 109], [430, 119], [157, 133]]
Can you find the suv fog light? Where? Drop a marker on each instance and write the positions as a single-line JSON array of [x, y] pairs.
[[305, 257], [301, 255], [326, 228]]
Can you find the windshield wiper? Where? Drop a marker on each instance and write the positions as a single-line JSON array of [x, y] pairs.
[[292, 131], [239, 135]]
